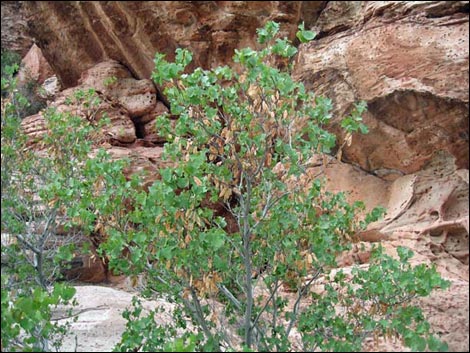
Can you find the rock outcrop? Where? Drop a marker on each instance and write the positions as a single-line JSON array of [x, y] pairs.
[[34, 67], [428, 209], [75, 36], [15, 36], [99, 322], [131, 105], [409, 62]]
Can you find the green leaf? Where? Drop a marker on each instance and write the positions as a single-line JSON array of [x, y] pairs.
[[303, 35], [435, 345], [67, 293], [404, 253], [216, 239]]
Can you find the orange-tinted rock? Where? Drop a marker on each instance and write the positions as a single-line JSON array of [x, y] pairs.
[[428, 212], [146, 161], [159, 109], [112, 79], [409, 62], [34, 67], [121, 130], [75, 36], [87, 268], [34, 126], [357, 184], [122, 99], [152, 135]]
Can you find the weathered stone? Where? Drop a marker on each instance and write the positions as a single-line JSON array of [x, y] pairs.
[[122, 99], [34, 67], [145, 161], [50, 88], [75, 36], [158, 109], [407, 60], [434, 204], [152, 135], [338, 16], [112, 79], [100, 324], [15, 36], [121, 130], [357, 184], [35, 127], [411, 68], [87, 268], [429, 207]]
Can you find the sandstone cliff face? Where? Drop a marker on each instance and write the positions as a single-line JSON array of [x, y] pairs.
[[76, 35], [15, 36], [407, 60], [130, 104]]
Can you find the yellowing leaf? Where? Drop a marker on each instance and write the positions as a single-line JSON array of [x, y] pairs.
[[197, 181], [348, 139], [134, 281], [227, 193]]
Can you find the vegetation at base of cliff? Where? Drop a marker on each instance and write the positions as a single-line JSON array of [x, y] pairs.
[[239, 217], [10, 63], [9, 59], [44, 183], [28, 294]]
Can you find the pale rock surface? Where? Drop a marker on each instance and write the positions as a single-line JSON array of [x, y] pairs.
[[34, 67], [50, 88], [429, 207], [100, 323]]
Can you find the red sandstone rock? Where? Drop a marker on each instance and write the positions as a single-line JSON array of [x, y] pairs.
[[409, 62], [75, 36], [112, 79], [34, 67], [34, 126]]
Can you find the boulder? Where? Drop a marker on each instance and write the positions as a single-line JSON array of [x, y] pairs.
[[34, 67], [112, 79], [99, 323]]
